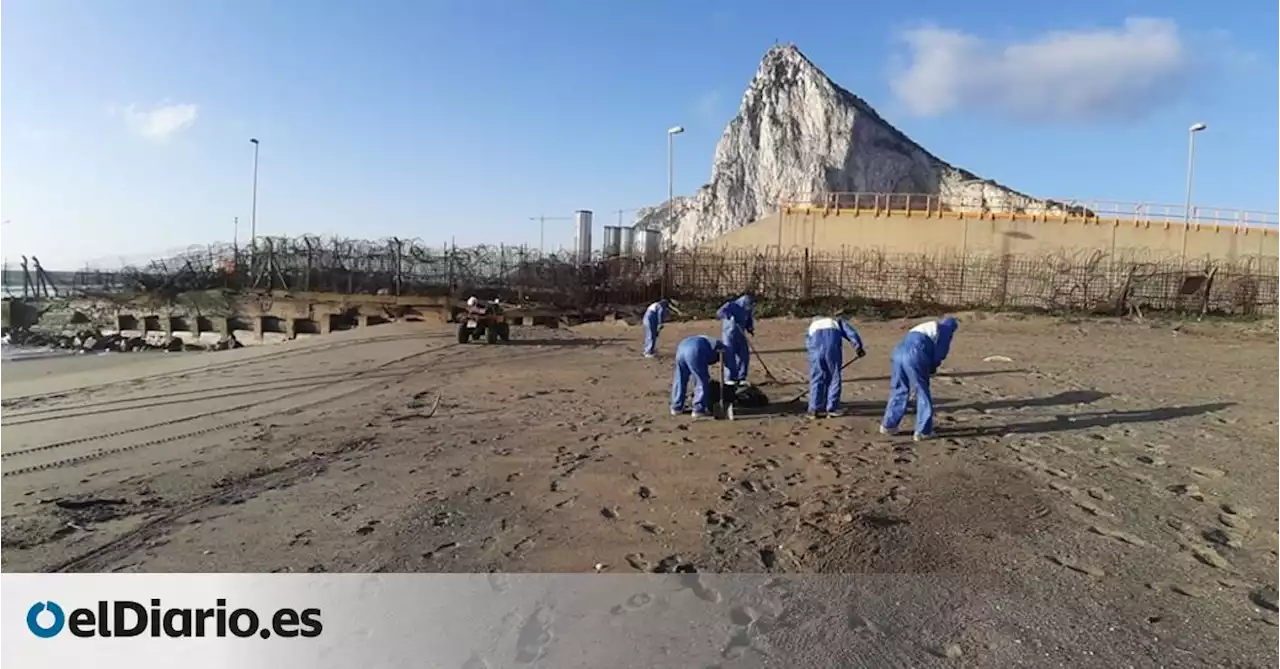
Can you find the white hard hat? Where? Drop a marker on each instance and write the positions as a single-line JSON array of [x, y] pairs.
[[471, 301]]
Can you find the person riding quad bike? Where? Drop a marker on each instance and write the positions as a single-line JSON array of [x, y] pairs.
[[484, 319]]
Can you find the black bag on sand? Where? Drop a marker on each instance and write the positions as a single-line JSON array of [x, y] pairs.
[[744, 397], [751, 397]]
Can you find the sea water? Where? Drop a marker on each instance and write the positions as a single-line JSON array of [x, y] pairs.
[[10, 352]]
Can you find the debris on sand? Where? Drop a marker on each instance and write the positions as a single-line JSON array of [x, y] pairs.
[[997, 358]]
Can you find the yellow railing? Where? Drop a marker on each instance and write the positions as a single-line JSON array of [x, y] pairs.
[[1016, 208]]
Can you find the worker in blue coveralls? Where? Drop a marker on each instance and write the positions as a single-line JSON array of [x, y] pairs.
[[694, 357], [736, 322], [654, 317], [915, 359], [825, 343]]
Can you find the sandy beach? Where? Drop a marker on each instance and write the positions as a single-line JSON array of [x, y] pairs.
[[1107, 492]]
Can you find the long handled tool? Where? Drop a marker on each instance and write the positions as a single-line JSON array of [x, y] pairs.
[[768, 374], [805, 393], [722, 401]]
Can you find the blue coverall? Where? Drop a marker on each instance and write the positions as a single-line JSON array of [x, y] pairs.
[[825, 342], [694, 357], [915, 359], [736, 322], [654, 317]]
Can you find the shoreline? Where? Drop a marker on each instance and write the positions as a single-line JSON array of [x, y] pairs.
[[30, 365]]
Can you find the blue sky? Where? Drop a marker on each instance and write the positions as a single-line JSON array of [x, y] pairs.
[[125, 123]]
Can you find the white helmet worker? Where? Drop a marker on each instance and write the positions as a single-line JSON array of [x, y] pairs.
[[472, 301]]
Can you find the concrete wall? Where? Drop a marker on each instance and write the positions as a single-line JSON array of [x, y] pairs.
[[19, 314], [252, 318], [996, 234]]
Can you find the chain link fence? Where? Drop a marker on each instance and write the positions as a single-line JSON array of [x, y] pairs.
[[1069, 282]]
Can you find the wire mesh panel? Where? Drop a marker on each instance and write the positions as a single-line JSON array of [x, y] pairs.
[[1082, 281]]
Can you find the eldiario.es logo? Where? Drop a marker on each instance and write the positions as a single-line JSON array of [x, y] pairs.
[[124, 618]]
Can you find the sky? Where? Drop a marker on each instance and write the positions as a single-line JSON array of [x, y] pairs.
[[125, 124]]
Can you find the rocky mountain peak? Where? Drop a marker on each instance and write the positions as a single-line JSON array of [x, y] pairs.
[[799, 134]]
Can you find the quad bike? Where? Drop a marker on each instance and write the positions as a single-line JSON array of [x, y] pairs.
[[488, 321]]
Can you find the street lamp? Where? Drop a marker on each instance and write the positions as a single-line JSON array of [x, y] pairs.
[[671, 178], [542, 222], [253, 212], [1191, 155], [542, 229]]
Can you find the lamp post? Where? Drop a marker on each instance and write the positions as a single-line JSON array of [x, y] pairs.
[[542, 229], [253, 211], [542, 233], [1191, 156], [671, 172], [4, 278]]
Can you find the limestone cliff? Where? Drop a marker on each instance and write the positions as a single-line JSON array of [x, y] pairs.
[[798, 134]]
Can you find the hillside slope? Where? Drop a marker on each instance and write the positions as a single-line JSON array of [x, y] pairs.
[[798, 134]]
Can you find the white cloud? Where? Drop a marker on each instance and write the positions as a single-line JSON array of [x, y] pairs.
[[160, 123], [1056, 76]]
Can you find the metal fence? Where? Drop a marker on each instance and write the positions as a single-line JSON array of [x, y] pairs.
[[1083, 282], [1001, 204]]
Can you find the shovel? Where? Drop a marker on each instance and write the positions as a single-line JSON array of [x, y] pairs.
[[724, 403]]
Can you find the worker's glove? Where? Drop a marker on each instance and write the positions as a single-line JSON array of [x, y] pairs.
[[860, 353]]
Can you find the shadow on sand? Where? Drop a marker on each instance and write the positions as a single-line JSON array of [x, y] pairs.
[[1061, 423], [1067, 398], [945, 375], [1087, 421], [566, 342]]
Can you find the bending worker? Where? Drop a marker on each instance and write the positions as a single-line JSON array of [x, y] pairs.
[[736, 322], [654, 317], [694, 357], [915, 359], [825, 342]]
